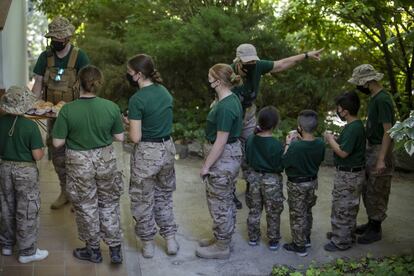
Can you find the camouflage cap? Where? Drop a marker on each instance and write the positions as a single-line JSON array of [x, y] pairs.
[[246, 53], [17, 100], [364, 73], [60, 28]]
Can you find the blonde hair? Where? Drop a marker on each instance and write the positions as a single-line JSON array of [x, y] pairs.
[[225, 73], [90, 78]]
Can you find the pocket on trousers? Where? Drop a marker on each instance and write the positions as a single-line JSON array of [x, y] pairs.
[[33, 205], [119, 184], [152, 154]]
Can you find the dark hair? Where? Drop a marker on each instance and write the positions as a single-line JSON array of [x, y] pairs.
[[268, 119], [143, 63], [308, 120], [349, 101], [225, 73], [90, 78]]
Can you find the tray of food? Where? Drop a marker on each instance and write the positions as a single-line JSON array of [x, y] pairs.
[[44, 110]]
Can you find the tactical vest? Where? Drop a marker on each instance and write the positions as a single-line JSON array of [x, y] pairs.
[[59, 83]]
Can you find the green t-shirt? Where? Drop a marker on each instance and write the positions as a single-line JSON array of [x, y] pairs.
[[380, 110], [26, 137], [248, 91], [153, 105], [352, 140], [303, 158], [81, 61], [264, 154], [227, 116], [88, 123]]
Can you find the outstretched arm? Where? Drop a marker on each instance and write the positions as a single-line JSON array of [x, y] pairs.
[[289, 62]]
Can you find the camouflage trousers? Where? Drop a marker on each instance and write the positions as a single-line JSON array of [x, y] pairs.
[[249, 124], [151, 189], [301, 199], [220, 188], [265, 190], [94, 186], [20, 205], [345, 205], [377, 187], [58, 156]]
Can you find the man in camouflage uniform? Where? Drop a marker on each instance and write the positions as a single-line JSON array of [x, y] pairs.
[[379, 158], [55, 75], [20, 146]]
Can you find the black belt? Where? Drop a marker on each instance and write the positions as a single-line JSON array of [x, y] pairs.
[[349, 169], [229, 141], [156, 140], [265, 171], [301, 179]]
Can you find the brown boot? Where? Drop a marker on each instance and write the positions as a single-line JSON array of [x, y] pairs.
[[218, 250], [206, 242], [61, 201], [172, 245], [148, 249]]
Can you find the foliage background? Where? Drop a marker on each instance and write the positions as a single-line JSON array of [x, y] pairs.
[[187, 37]]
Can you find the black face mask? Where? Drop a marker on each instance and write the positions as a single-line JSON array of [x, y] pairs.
[[131, 81], [248, 67], [363, 89], [340, 117], [57, 46]]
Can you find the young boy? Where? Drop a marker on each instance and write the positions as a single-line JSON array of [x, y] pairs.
[[301, 160], [349, 153], [264, 157], [20, 146]]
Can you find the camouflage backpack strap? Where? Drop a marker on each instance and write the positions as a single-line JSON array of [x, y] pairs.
[[50, 58], [73, 57]]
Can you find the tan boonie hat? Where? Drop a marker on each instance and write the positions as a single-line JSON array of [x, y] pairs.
[[246, 53], [364, 73], [17, 100], [60, 28]]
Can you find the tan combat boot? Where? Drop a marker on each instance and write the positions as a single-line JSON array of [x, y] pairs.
[[172, 245], [148, 249], [206, 242], [60, 201], [218, 250]]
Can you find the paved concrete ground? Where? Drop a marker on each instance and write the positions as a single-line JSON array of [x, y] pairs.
[[58, 232]]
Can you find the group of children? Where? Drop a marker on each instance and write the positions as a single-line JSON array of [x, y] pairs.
[[300, 158]]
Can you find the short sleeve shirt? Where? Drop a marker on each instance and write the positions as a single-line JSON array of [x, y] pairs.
[[303, 158], [81, 61], [25, 138], [264, 154], [352, 141], [380, 111], [227, 116], [88, 123], [248, 91], [153, 105]]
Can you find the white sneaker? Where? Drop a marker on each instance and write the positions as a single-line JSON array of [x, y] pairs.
[[7, 251], [38, 256]]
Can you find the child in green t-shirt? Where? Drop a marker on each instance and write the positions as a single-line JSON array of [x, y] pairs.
[[303, 155], [349, 154], [21, 146], [264, 157]]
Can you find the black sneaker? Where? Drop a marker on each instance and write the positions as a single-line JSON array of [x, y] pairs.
[[362, 228], [88, 254], [274, 245], [370, 236], [331, 247], [115, 253], [298, 250], [236, 201], [253, 242]]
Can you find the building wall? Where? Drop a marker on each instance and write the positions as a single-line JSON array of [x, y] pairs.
[[13, 49]]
